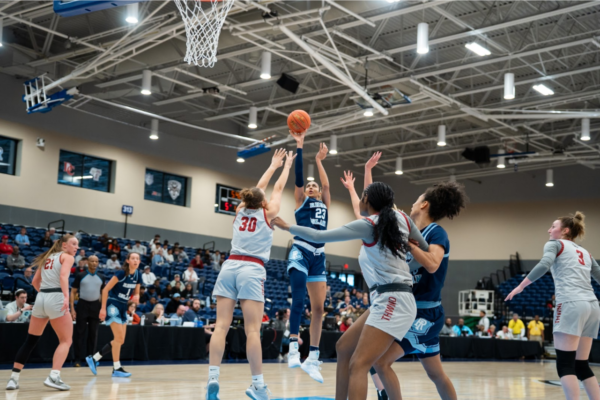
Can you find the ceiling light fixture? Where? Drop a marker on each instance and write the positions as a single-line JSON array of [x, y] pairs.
[[265, 70], [501, 160], [154, 129], [585, 129], [333, 149], [146, 82], [441, 135], [478, 49], [369, 112], [132, 13], [311, 172], [399, 166], [549, 178], [543, 89], [252, 118], [240, 160], [509, 86], [423, 38]]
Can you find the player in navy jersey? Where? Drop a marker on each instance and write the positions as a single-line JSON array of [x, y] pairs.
[[122, 287], [444, 200], [306, 261]]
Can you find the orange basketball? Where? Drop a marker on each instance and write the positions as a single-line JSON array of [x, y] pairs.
[[298, 121]]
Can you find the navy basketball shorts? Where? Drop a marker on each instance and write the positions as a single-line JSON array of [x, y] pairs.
[[423, 337], [309, 260], [116, 311]]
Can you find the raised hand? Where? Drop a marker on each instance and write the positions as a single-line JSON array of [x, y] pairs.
[[348, 180], [299, 138], [512, 294], [280, 223], [289, 159], [322, 152], [277, 160], [373, 160]]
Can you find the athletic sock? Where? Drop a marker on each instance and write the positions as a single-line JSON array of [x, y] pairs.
[[314, 354], [258, 381], [15, 375], [294, 345], [117, 365], [213, 373], [314, 348], [97, 356], [54, 374]]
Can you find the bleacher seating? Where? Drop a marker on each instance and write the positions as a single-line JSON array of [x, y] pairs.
[[276, 286]]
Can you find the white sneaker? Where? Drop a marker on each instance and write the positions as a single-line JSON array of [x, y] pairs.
[[12, 384], [258, 394], [212, 390], [313, 368], [285, 358], [294, 360], [280, 358], [56, 383]]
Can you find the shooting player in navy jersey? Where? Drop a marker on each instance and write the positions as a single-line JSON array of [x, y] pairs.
[[306, 261]]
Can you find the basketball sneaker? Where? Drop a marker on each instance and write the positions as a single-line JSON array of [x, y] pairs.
[[12, 384], [294, 356], [92, 364], [56, 383], [258, 394], [212, 390], [120, 373], [313, 369]]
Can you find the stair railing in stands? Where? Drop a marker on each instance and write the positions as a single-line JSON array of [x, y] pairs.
[[62, 226], [208, 243]]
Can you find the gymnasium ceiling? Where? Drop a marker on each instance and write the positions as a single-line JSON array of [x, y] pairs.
[[556, 43]]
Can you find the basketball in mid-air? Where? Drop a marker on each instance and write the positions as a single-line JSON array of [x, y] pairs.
[[298, 121]]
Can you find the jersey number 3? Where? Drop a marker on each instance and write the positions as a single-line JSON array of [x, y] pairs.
[[580, 259], [249, 224], [49, 264]]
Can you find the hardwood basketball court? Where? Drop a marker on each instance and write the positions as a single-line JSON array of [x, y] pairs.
[[473, 381]]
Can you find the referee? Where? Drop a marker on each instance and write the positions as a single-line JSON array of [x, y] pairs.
[[90, 285]]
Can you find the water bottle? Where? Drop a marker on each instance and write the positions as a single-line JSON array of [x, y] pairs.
[[195, 322], [143, 320]]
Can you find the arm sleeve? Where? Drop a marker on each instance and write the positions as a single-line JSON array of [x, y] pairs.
[[551, 250], [359, 229], [298, 169], [595, 270]]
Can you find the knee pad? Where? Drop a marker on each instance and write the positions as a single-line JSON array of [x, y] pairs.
[[26, 349], [565, 363], [583, 370]]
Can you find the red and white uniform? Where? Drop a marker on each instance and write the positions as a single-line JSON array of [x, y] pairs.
[[49, 304], [252, 234]]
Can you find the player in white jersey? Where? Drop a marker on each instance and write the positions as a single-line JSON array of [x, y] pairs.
[[577, 314], [243, 276], [51, 280], [385, 234]]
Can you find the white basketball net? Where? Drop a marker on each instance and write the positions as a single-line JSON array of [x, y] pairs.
[[203, 27]]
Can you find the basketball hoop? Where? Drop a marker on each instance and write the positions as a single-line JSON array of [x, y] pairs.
[[203, 21]]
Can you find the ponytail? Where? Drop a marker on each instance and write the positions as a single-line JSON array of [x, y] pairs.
[[381, 197], [56, 248], [253, 197], [575, 223]]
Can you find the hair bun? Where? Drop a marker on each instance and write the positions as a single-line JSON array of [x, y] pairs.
[[579, 216]]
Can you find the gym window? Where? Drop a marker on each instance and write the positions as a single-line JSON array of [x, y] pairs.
[[166, 188], [84, 171], [8, 155]]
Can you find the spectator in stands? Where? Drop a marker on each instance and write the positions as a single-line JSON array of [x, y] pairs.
[[168, 256], [346, 323], [149, 306], [46, 241], [79, 256], [357, 298], [551, 303], [516, 327], [18, 311], [132, 317], [492, 331], [176, 278], [151, 292], [157, 259], [104, 240], [197, 262], [482, 332], [223, 258], [193, 312], [178, 287], [504, 333], [139, 248], [113, 263], [15, 260], [153, 241], [155, 247], [206, 257], [365, 301], [180, 256], [5, 248], [216, 257], [461, 329], [22, 239], [535, 330], [156, 316], [81, 266], [128, 249], [142, 294], [28, 275], [148, 276], [188, 292], [113, 248], [483, 320], [347, 307], [54, 236], [173, 304], [191, 277], [167, 292], [447, 328]]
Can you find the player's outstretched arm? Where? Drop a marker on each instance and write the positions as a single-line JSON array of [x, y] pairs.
[[299, 169], [551, 250], [369, 168], [325, 193], [276, 162], [275, 202], [348, 182], [359, 229]]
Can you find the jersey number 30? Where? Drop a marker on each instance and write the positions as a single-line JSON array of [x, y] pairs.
[[580, 259], [249, 224], [49, 264]]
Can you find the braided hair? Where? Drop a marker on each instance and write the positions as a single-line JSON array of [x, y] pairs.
[[381, 197]]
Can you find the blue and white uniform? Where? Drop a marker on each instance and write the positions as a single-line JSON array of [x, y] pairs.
[[309, 257], [423, 337], [119, 295]]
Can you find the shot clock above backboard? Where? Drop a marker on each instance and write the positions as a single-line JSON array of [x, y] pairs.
[[227, 199]]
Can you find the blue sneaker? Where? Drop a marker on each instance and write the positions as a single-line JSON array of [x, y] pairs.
[[120, 373], [92, 364], [212, 390]]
